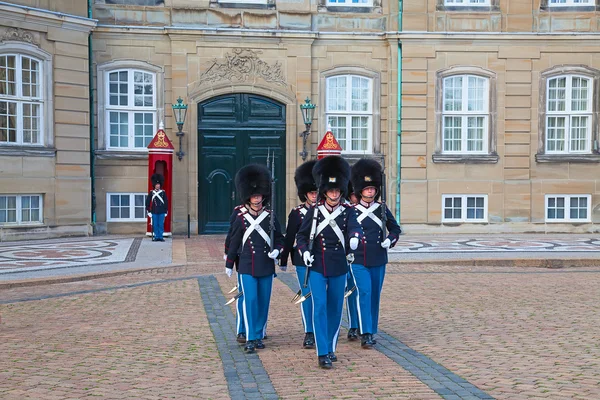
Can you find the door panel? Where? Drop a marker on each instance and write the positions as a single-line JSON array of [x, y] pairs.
[[235, 130]]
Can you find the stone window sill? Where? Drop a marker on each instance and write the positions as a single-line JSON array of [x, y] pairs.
[[469, 9], [570, 9], [25, 151], [24, 226], [120, 155], [351, 9], [242, 5], [465, 158], [564, 158]]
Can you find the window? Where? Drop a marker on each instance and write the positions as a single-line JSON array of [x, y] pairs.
[[126, 207], [21, 209], [349, 112], [467, 2], [131, 106], [21, 100], [464, 208], [355, 3], [568, 114], [465, 114], [563, 3], [568, 208]]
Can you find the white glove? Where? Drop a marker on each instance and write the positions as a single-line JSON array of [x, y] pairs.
[[166, 215], [273, 254], [308, 258], [350, 258], [283, 268], [354, 243], [386, 244], [149, 215], [229, 271], [224, 257]]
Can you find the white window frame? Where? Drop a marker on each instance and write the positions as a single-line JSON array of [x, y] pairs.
[[19, 209], [463, 214], [464, 114], [570, 3], [568, 114], [130, 109], [131, 207], [243, 1], [567, 208], [466, 3], [21, 100], [349, 114]]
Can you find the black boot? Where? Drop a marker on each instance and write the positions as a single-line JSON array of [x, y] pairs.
[[309, 340], [325, 362], [241, 337], [352, 334], [332, 357], [250, 346], [366, 341], [260, 344]]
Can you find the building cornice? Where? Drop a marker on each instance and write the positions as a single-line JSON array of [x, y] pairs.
[[43, 17]]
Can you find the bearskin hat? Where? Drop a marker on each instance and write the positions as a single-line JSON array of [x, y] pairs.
[[366, 172], [157, 178], [253, 179], [350, 190], [332, 172], [305, 182]]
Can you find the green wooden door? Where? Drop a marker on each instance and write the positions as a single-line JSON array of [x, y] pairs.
[[235, 130]]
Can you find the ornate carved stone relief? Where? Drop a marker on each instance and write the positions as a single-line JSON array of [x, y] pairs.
[[18, 35], [241, 65]]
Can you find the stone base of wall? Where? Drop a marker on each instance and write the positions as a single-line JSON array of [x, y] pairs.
[[497, 229], [43, 232]]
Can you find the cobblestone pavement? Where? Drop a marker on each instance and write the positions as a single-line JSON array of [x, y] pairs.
[[503, 332]]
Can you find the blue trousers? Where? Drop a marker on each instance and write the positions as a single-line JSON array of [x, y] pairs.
[[257, 296], [158, 225], [307, 305], [328, 302], [369, 281], [239, 307], [351, 303]]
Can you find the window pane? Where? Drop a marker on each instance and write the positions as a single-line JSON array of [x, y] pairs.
[[117, 88], [336, 94], [338, 128], [143, 131], [30, 77], [476, 93], [8, 121], [118, 128], [555, 134], [579, 133], [557, 94], [452, 133], [475, 133], [453, 93], [360, 94], [8, 84], [114, 212], [579, 94], [114, 200], [360, 133]]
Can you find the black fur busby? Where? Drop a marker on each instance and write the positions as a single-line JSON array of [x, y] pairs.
[[350, 190], [253, 179], [157, 178], [366, 172], [305, 182], [332, 172]]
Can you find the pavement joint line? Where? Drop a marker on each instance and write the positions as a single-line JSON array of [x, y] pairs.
[[559, 271], [241, 370], [105, 289], [422, 367]]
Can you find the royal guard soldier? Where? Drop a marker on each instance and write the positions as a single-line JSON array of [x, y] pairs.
[[329, 231], [157, 207], [240, 326], [307, 192], [371, 256], [351, 298], [250, 241]]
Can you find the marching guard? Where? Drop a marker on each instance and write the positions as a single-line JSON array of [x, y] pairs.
[[371, 256], [328, 230], [251, 234], [307, 192], [351, 299]]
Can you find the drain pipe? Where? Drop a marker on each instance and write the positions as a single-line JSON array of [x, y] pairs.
[[92, 144], [399, 116]]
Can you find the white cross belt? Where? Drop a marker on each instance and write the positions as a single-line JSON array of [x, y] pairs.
[[156, 194], [329, 219], [255, 226], [368, 212]]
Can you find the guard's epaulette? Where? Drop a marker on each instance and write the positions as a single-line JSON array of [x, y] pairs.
[[299, 207]]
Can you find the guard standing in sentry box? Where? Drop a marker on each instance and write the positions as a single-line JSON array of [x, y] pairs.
[[257, 240], [328, 232], [371, 256], [157, 206], [307, 192]]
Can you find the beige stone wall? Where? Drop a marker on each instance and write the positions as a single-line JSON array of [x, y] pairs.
[[503, 16], [516, 185], [62, 174], [73, 7]]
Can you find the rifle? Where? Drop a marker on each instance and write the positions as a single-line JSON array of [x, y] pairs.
[[383, 205], [272, 221], [311, 241]]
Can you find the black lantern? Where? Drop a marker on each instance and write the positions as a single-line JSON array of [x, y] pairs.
[[179, 112], [308, 110]]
